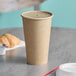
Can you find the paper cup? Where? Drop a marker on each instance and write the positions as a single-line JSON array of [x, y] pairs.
[[68, 69], [37, 26]]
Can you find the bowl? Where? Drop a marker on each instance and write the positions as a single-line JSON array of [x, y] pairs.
[[67, 69]]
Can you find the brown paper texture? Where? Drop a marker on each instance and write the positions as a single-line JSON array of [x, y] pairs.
[[37, 37]]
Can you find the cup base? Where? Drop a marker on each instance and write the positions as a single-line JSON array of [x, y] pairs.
[[35, 63]]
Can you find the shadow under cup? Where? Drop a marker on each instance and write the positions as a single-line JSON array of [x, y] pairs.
[[37, 28]]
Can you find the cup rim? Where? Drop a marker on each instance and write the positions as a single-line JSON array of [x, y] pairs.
[[51, 15]]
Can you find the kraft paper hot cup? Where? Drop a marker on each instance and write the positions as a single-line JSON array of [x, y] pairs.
[[68, 69], [37, 28]]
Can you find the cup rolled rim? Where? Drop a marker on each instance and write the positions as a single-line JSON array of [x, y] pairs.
[[51, 15]]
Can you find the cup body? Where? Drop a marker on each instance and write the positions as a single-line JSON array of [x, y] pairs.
[[37, 36]]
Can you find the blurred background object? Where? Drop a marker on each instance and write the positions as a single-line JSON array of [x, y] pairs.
[[10, 19], [10, 5], [64, 13]]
